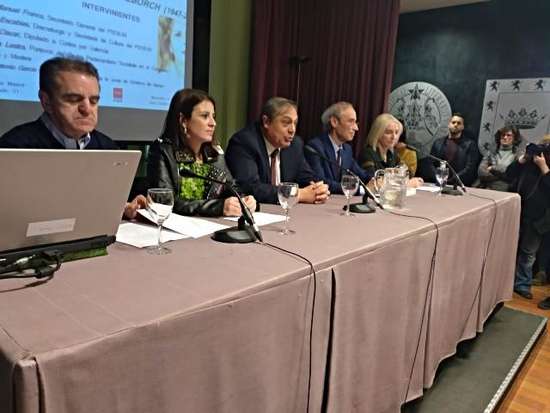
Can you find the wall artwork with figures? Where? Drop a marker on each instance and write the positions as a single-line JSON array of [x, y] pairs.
[[523, 103]]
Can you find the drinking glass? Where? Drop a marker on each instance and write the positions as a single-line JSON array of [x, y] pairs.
[[441, 174], [160, 202], [349, 184], [287, 192]]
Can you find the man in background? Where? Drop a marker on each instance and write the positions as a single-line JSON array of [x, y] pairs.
[[69, 95], [267, 152], [460, 151], [340, 123]]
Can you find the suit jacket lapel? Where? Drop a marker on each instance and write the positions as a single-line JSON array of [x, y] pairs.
[[346, 156], [329, 153], [266, 169], [284, 160]]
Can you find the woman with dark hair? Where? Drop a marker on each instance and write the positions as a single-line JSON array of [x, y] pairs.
[[492, 169], [187, 141]]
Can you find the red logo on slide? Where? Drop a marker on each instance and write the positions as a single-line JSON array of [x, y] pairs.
[[117, 94]]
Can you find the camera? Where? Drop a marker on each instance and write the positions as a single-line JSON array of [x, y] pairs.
[[533, 149]]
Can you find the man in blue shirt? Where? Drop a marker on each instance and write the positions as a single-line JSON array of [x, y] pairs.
[[69, 95]]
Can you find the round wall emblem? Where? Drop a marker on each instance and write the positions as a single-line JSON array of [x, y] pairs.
[[424, 110]]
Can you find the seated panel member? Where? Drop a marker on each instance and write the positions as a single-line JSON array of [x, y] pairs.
[[379, 151], [340, 123], [267, 152], [187, 140], [69, 95]]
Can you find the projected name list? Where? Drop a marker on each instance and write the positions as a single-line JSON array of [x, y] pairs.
[[138, 47]]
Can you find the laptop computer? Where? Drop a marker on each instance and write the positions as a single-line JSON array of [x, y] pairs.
[[63, 200]]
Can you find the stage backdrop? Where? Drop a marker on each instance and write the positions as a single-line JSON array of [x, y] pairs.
[[345, 51], [458, 48]]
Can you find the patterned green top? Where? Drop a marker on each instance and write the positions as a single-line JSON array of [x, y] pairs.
[[194, 188]]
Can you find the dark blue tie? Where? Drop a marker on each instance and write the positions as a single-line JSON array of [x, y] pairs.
[[338, 169]]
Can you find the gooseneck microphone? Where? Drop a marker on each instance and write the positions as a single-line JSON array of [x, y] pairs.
[[241, 234], [429, 155], [368, 192]]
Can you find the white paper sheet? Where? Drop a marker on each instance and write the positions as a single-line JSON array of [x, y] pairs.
[[262, 218], [428, 188], [193, 227], [143, 235]]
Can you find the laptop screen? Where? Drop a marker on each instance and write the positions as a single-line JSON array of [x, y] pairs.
[[60, 196]]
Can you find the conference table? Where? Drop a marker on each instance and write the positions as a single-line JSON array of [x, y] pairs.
[[349, 314]]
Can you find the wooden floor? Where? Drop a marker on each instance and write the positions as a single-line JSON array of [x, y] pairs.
[[530, 392]]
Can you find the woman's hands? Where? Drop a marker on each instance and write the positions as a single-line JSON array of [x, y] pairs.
[[232, 207], [415, 182]]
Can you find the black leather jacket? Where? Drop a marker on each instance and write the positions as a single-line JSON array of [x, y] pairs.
[[162, 172], [466, 160]]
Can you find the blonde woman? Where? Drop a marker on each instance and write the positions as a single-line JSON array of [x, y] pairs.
[[378, 152]]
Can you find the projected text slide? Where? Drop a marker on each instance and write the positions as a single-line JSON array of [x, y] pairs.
[[138, 46]]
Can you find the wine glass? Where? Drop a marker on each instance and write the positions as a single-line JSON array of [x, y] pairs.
[[349, 184], [441, 174], [287, 192], [160, 202]]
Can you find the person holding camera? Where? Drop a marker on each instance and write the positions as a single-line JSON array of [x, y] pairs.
[[532, 180]]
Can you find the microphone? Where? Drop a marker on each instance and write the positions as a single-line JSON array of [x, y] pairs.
[[462, 186], [368, 192], [231, 236]]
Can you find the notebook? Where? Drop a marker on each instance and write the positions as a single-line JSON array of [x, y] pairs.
[[69, 200]]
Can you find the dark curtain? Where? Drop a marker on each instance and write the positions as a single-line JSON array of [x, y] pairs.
[[350, 47]]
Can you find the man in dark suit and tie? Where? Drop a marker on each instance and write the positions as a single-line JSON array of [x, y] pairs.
[[340, 123], [267, 152]]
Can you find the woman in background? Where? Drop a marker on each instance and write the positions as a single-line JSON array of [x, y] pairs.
[[492, 169], [407, 156], [187, 141]]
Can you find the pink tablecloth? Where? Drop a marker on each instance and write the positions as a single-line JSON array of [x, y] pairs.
[[226, 328]]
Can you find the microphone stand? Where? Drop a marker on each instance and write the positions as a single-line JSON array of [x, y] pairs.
[[446, 190], [360, 208], [246, 229], [363, 207]]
